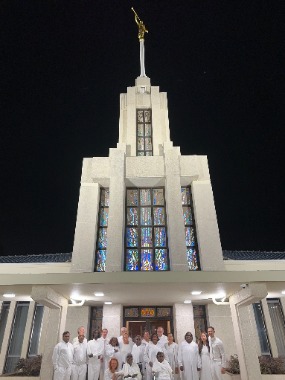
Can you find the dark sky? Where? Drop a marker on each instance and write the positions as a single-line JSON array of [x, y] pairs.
[[63, 66]]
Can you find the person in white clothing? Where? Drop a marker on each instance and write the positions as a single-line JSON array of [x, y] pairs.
[[217, 355], [79, 368], [126, 347], [131, 369], [104, 359], [80, 331], [113, 351], [204, 352], [120, 338], [146, 338], [138, 353], [189, 359], [94, 351], [150, 353], [112, 372], [162, 368], [162, 339], [172, 352], [62, 358]]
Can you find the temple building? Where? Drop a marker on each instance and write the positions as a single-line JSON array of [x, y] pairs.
[[146, 253]]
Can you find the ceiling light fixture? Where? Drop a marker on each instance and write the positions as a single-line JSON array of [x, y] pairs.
[[196, 292], [283, 292], [99, 294], [9, 295], [187, 301], [108, 303]]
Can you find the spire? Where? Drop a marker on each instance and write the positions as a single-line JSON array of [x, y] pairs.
[[141, 31]]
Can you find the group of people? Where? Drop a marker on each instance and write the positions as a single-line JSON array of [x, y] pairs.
[[147, 357]]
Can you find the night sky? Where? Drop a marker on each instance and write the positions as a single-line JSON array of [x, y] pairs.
[[64, 64]]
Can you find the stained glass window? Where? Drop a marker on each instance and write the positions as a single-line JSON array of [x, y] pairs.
[[146, 232], [190, 231], [101, 245], [144, 132]]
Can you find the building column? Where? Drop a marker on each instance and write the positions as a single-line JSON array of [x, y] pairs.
[[57, 306], [83, 255], [175, 220], [183, 320], [116, 221], [244, 326], [112, 319]]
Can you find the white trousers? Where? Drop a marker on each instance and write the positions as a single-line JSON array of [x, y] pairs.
[[94, 370], [78, 372], [216, 370], [62, 373]]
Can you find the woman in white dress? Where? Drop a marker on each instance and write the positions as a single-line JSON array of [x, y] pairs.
[[113, 351], [172, 352], [112, 372], [204, 351]]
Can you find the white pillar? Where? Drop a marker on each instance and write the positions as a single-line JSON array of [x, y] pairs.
[[183, 320], [112, 319], [244, 325], [116, 222], [175, 221], [83, 256], [57, 306], [210, 249]]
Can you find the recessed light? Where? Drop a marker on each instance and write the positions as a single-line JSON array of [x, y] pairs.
[[99, 294], [220, 295], [9, 295], [187, 301], [108, 303], [283, 292], [196, 292]]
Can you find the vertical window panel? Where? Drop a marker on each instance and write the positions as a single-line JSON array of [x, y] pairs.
[[3, 320], [102, 233], [278, 324], [190, 230], [146, 243], [36, 331], [261, 329], [144, 133], [132, 197]]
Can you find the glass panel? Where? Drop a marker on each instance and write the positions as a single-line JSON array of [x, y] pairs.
[[146, 260], [132, 312], [148, 153], [141, 154], [132, 216], [147, 118], [146, 216], [158, 216], [158, 197], [36, 330], [104, 213], [140, 116], [187, 214], [147, 130], [17, 336], [140, 130], [132, 197], [185, 192], [189, 237], [161, 262], [102, 239], [278, 324], [132, 260], [192, 259], [148, 144], [3, 320], [159, 237], [132, 237], [101, 260], [140, 143], [104, 198], [145, 198], [146, 237], [261, 329]]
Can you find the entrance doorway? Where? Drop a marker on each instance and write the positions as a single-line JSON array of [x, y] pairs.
[[140, 319]]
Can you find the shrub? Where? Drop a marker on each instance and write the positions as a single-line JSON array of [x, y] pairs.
[[29, 366], [269, 365], [233, 365]]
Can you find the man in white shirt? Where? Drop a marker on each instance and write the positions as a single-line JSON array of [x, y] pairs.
[[104, 361], [138, 353], [79, 368], [62, 358], [217, 355], [95, 348], [120, 338], [80, 331], [162, 339]]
